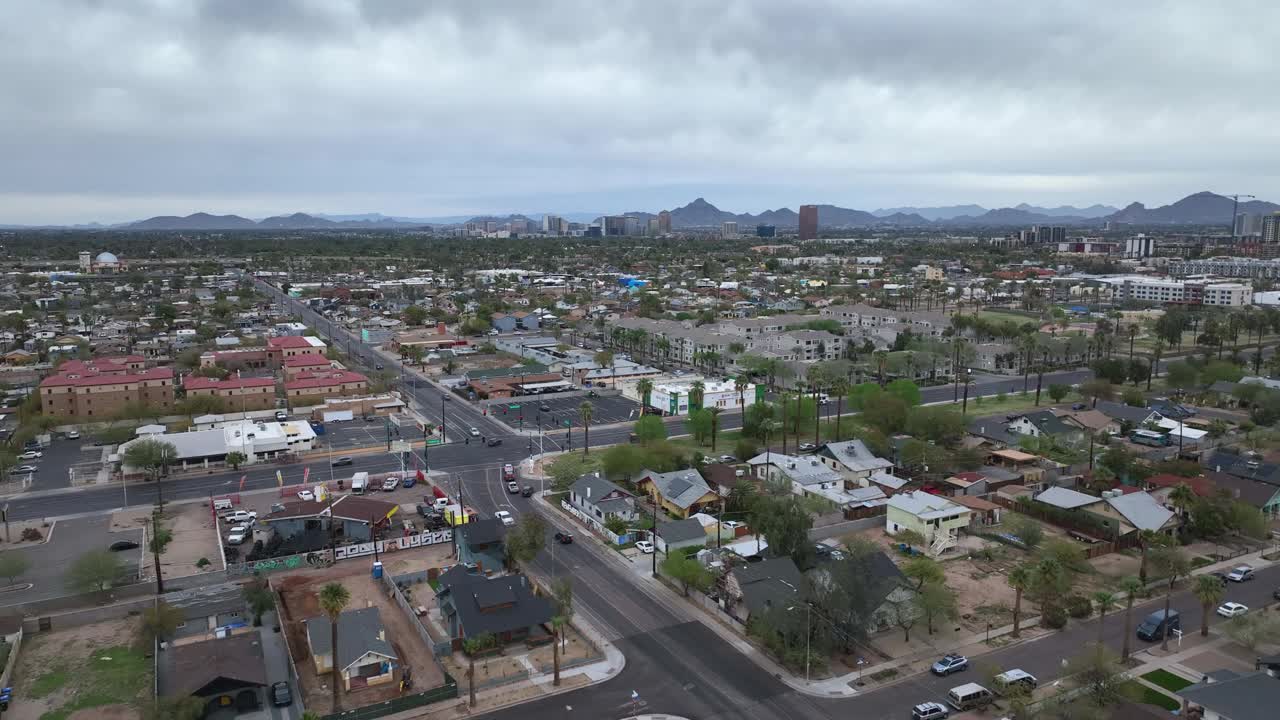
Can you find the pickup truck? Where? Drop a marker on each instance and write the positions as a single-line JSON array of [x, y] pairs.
[[390, 484], [240, 516]]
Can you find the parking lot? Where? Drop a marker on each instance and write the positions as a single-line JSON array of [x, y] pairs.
[[607, 409], [68, 541], [359, 433], [53, 468]]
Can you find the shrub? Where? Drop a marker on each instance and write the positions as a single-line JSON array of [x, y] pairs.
[[1078, 606], [203, 563], [744, 450], [1053, 617], [32, 535]]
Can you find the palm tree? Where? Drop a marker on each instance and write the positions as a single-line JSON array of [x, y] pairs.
[[334, 598], [645, 388], [1019, 580], [584, 411], [1209, 591], [715, 425], [474, 646], [1133, 334], [740, 384], [1130, 586], [696, 392], [557, 628], [1027, 344], [839, 388], [1155, 361], [1105, 600], [1148, 539], [1182, 497], [1175, 563], [882, 357]]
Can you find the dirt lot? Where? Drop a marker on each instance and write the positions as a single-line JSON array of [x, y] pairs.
[[16, 528], [194, 536], [89, 672], [299, 593]]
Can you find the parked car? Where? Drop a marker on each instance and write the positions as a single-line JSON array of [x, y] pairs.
[[73, 434], [390, 484], [644, 546], [26, 469], [276, 508], [1240, 573], [929, 711], [1015, 677], [240, 516], [342, 461], [1232, 609], [513, 487], [1222, 576], [239, 534], [526, 491], [505, 517], [31, 455], [950, 663], [728, 459], [281, 416], [306, 495], [121, 545], [281, 695], [564, 538], [808, 447], [544, 407]]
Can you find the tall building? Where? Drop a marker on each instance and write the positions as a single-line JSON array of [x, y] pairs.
[[1271, 228], [664, 222], [551, 224], [1247, 225], [652, 227], [614, 226], [630, 226], [1050, 233], [729, 229], [766, 231], [808, 222], [1139, 246]]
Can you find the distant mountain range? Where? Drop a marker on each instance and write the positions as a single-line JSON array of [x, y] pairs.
[[1202, 208]]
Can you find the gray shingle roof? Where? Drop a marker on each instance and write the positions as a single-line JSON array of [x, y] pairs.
[[855, 455], [1066, 498], [1117, 411], [1252, 696], [680, 531], [591, 488], [770, 583], [359, 632], [493, 605], [1048, 423], [1141, 510]]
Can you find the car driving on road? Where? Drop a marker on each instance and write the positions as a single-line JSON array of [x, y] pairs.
[[505, 517]]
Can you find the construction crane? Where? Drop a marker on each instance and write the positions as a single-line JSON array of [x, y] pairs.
[[1235, 210]]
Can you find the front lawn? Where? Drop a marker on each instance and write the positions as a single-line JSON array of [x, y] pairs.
[[113, 675], [1142, 694], [1012, 402], [1167, 680]]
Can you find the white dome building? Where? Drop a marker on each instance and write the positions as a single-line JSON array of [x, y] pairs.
[[104, 262]]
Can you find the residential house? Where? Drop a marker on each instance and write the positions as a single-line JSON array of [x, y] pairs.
[[224, 673], [1092, 421], [365, 656], [480, 544], [1128, 415], [755, 588], [1044, 423], [965, 484], [679, 534], [804, 474], [1230, 695], [885, 585], [1137, 511], [354, 518], [852, 459], [937, 519], [984, 513], [504, 607], [601, 500], [680, 493], [721, 477]]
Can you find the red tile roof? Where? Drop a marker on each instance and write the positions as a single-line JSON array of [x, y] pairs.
[[1200, 485], [324, 379], [95, 378], [289, 341], [310, 360], [100, 365], [196, 382]]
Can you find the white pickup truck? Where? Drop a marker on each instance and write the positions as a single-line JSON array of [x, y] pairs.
[[240, 516]]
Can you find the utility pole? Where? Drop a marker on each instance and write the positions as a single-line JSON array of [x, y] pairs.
[[1235, 211], [655, 529]]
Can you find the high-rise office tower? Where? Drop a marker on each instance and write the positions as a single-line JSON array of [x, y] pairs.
[[808, 222], [729, 229], [664, 222]]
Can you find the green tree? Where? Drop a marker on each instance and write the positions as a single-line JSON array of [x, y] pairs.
[[1173, 564], [687, 571], [259, 598], [1101, 677], [1133, 397], [905, 390], [1131, 587], [1025, 529], [13, 565], [1209, 591], [334, 598], [698, 423], [1254, 629], [784, 522], [567, 468], [562, 594], [645, 388], [921, 571], [95, 570], [936, 601], [151, 456], [623, 461], [1181, 375], [1098, 389], [650, 429], [415, 315], [160, 621], [235, 459], [476, 645], [525, 540], [1104, 600]]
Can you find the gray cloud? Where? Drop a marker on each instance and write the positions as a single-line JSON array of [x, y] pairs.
[[118, 109]]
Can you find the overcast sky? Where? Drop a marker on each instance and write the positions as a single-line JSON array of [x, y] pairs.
[[115, 110]]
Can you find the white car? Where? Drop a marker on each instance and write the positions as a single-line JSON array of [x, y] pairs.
[[644, 546], [31, 455], [390, 484], [73, 434], [1232, 609], [238, 534], [505, 517], [27, 469], [306, 495], [474, 432], [240, 516]]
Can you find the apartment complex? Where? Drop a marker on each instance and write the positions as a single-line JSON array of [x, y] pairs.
[[101, 388], [767, 336], [1186, 292], [860, 316], [283, 348], [1239, 267], [331, 383], [239, 394], [305, 363]]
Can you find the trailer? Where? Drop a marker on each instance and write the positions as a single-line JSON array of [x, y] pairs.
[[339, 416], [359, 483]]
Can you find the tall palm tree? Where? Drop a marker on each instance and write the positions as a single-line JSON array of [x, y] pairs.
[[817, 376], [1105, 600], [839, 388], [1155, 361], [1130, 586], [557, 628], [1209, 591], [1172, 561], [472, 647], [585, 411], [334, 598], [645, 388], [1019, 580], [696, 392], [740, 384], [882, 358], [1182, 497], [1148, 539], [715, 425], [1133, 334]]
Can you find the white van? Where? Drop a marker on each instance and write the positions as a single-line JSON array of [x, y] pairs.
[[221, 504], [1013, 678], [359, 482], [969, 696]]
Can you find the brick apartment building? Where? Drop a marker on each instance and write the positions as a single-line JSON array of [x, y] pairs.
[[273, 356], [102, 387], [329, 383], [427, 339], [238, 394], [301, 364], [285, 347]]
